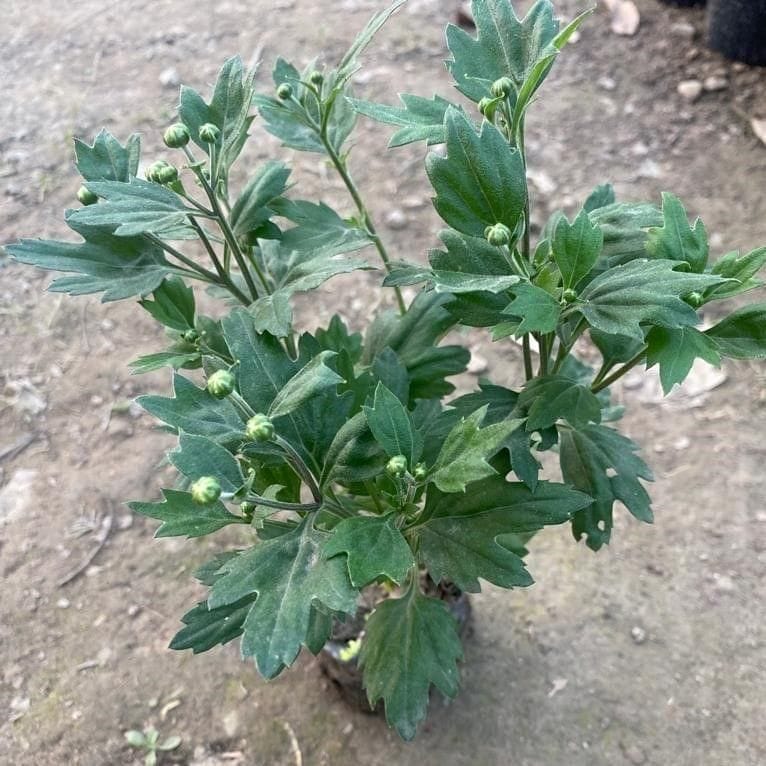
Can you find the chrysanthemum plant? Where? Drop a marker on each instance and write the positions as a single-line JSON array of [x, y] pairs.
[[344, 457]]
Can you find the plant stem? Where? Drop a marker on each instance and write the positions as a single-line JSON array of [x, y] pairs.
[[301, 468], [283, 506], [546, 344], [528, 371], [364, 215], [210, 276], [565, 348], [618, 373]]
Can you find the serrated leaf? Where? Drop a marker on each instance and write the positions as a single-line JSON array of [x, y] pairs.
[[576, 248], [410, 643], [120, 267], [641, 291], [675, 351], [173, 304], [107, 159], [287, 574], [537, 309], [740, 268], [354, 455], [374, 548], [198, 456], [206, 628], [602, 463], [742, 334], [392, 426], [250, 210], [481, 181], [615, 348], [549, 398], [460, 539], [624, 226], [676, 240], [175, 359], [453, 282], [600, 197], [195, 411], [503, 47], [421, 119], [181, 516], [466, 450], [315, 377], [135, 208]]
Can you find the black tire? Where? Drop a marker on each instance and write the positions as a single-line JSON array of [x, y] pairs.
[[737, 28]]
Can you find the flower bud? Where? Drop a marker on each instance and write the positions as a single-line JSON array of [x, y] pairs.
[[220, 384], [569, 295], [86, 196], [498, 235], [247, 509], [259, 428], [190, 336], [420, 472], [153, 171], [284, 91], [167, 174], [502, 88], [209, 133], [206, 490], [487, 107], [397, 466], [695, 299], [316, 78], [176, 136]]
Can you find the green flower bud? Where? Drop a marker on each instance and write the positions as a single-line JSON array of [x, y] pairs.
[[397, 466], [259, 428], [502, 88], [190, 336], [209, 133], [487, 107], [498, 235], [569, 295], [86, 196], [247, 509], [695, 299], [167, 174], [206, 490], [153, 171], [420, 472], [316, 78], [176, 136], [284, 91], [220, 384]]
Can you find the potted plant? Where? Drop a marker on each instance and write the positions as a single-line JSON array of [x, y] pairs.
[[353, 471]]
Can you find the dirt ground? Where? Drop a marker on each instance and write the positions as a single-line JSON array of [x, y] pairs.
[[651, 652]]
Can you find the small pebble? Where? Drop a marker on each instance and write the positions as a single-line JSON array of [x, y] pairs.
[[396, 220], [63, 603], [477, 365], [690, 90], [724, 583], [684, 29], [682, 443], [635, 755], [638, 634], [607, 83], [169, 78], [715, 83], [133, 610]]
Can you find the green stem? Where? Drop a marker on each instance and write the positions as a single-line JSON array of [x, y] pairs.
[[201, 270], [528, 371], [301, 468], [565, 348], [282, 506], [546, 345], [364, 215], [618, 373]]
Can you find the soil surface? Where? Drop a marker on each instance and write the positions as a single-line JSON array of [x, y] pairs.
[[651, 652]]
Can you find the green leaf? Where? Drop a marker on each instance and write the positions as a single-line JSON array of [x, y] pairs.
[[250, 210], [120, 267], [537, 309], [196, 412], [171, 358], [287, 123], [135, 738], [107, 159], [461, 536], [315, 377], [392, 426], [288, 574], [374, 547], [421, 119], [354, 455], [173, 304], [137, 207], [503, 47], [182, 516], [600, 197], [624, 228], [675, 351], [466, 450], [198, 456], [742, 335], [740, 268], [676, 240], [615, 348], [206, 628], [601, 462], [410, 643], [388, 369], [549, 398], [481, 182], [576, 247], [453, 282], [620, 299]]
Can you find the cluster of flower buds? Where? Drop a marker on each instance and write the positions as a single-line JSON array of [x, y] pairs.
[[162, 172]]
